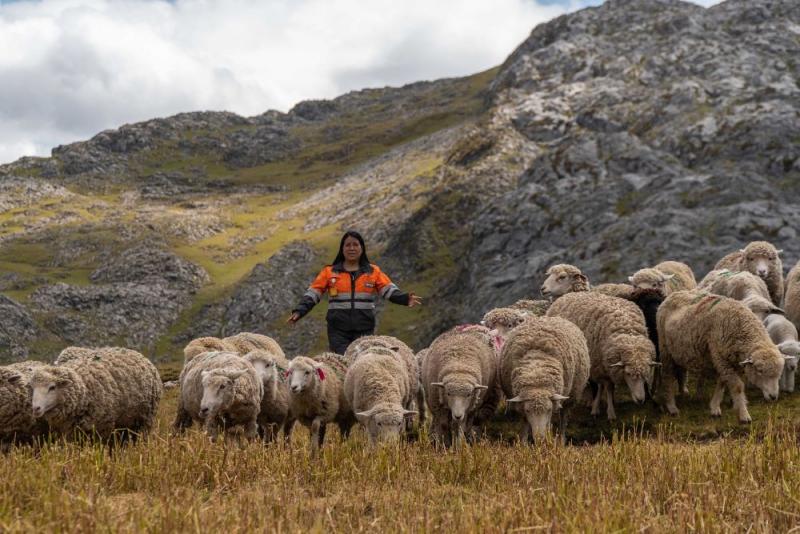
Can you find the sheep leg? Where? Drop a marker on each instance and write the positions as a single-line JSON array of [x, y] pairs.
[[322, 428], [421, 404], [182, 419], [736, 389], [670, 374], [251, 429], [316, 425], [345, 427], [524, 433], [701, 383], [288, 425], [212, 427], [716, 399], [612, 415], [596, 400]]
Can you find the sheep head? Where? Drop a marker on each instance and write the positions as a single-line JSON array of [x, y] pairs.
[[562, 279], [761, 307], [48, 385], [384, 422], [650, 279], [760, 258], [635, 365], [304, 373], [461, 394], [218, 390], [538, 406], [763, 369]]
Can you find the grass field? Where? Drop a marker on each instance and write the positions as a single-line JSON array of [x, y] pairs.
[[653, 477]]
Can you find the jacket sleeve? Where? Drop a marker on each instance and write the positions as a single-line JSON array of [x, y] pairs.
[[313, 294], [388, 290]]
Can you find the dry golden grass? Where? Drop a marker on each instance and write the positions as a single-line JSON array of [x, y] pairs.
[[166, 484]]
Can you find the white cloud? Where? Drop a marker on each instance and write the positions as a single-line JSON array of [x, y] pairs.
[[71, 68]]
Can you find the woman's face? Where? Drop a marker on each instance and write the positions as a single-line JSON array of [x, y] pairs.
[[351, 249]]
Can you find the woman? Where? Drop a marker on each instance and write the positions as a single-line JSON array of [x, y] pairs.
[[353, 284]]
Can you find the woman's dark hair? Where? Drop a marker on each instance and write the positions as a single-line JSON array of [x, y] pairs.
[[363, 261]]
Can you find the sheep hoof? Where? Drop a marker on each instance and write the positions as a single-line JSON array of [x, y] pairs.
[[745, 420], [716, 413]]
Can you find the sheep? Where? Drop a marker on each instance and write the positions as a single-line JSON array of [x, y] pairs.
[[545, 361], [206, 344], [504, 320], [71, 353], [533, 307], [459, 377], [379, 388], [791, 298], [763, 260], [784, 334], [219, 389], [713, 334], [317, 395], [274, 413], [17, 424], [650, 278], [743, 286], [245, 342], [420, 403], [619, 347], [107, 390], [682, 276], [562, 279]]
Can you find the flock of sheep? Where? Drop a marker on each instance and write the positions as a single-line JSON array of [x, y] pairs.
[[542, 356]]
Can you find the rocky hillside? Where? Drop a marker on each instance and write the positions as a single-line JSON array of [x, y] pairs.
[[612, 138]]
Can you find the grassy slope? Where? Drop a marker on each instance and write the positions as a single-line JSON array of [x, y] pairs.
[[361, 134]]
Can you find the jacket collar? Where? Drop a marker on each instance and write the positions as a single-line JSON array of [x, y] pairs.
[[339, 268]]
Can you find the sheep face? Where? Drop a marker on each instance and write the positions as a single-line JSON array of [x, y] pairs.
[[538, 407], [650, 279], [791, 354], [218, 391], [562, 279], [763, 370], [759, 258], [384, 422], [460, 396], [48, 389], [634, 378], [303, 374]]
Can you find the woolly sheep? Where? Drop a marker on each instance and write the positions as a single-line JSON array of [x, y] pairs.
[[682, 276], [16, 420], [562, 279], [219, 389], [71, 353], [784, 334], [791, 298], [109, 389], [274, 413], [743, 286], [459, 377], [317, 395], [379, 389], [650, 279], [206, 344], [545, 362], [245, 342], [763, 260], [503, 320], [619, 347], [393, 346], [708, 333]]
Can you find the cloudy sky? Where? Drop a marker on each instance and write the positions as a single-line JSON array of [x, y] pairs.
[[71, 68]]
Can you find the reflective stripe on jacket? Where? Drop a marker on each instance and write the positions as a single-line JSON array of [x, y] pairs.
[[351, 295]]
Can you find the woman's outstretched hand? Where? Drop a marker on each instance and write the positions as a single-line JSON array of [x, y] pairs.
[[414, 300], [293, 318]]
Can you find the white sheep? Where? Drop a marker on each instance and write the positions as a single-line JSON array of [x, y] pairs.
[[244, 342], [206, 344], [545, 362], [317, 395], [783, 333], [219, 389], [791, 297], [619, 347], [562, 279], [108, 390], [682, 277], [459, 375], [711, 334], [17, 424], [763, 260], [743, 286]]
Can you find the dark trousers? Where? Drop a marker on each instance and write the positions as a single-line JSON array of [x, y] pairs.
[[339, 340]]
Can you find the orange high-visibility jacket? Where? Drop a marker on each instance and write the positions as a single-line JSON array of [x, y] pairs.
[[351, 295]]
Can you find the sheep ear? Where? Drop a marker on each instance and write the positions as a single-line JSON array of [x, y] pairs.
[[582, 277], [14, 378], [779, 251], [618, 364], [788, 357], [438, 384], [747, 361], [557, 397], [409, 413], [668, 277], [515, 400], [235, 374], [395, 349], [363, 417], [630, 279], [741, 250], [479, 387], [777, 310], [655, 364]]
